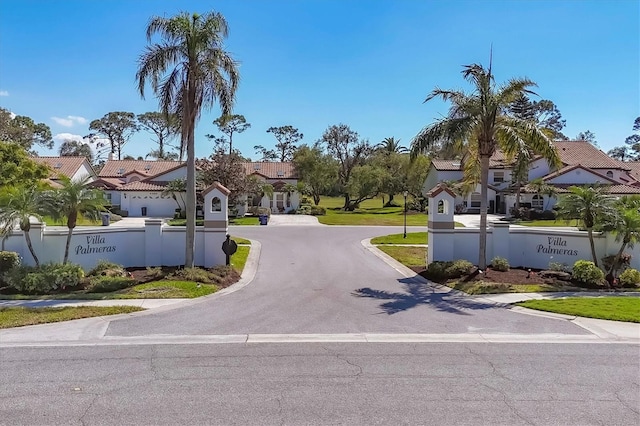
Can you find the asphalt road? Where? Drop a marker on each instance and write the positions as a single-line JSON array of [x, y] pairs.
[[319, 384], [321, 279]]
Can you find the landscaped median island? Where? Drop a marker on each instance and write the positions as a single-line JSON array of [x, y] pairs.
[[500, 277], [19, 317], [108, 280]]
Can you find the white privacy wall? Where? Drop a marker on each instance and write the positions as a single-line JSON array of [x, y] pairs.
[[155, 244]]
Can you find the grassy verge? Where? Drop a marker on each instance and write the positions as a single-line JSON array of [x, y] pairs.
[[239, 258], [408, 256], [609, 308], [412, 238], [239, 240], [166, 289], [370, 213], [82, 221], [18, 317]]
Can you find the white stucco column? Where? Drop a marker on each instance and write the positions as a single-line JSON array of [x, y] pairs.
[[500, 240], [153, 242]]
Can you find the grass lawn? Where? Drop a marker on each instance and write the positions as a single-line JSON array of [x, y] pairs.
[[548, 223], [239, 258], [165, 289], [370, 212], [17, 317], [239, 240], [248, 220], [408, 256], [82, 221], [610, 308], [412, 238]]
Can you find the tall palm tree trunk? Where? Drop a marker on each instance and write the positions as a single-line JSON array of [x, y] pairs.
[[27, 237], [593, 246], [66, 247], [616, 260], [191, 199], [484, 179]]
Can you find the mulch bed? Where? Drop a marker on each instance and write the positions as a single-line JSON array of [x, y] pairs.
[[142, 276], [512, 276]]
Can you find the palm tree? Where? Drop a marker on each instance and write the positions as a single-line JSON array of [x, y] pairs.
[[188, 70], [76, 199], [590, 204], [626, 225], [391, 146], [478, 124], [20, 205], [538, 186], [174, 188]]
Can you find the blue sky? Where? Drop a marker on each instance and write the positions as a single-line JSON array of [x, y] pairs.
[[311, 64]]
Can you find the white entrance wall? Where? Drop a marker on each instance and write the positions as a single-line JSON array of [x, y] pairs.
[[522, 247], [154, 244]]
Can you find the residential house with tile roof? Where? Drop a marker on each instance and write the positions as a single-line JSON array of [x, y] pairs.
[[135, 187], [74, 168], [581, 164]]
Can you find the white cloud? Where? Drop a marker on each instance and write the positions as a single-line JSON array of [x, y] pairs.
[[4, 93], [61, 137], [70, 120]]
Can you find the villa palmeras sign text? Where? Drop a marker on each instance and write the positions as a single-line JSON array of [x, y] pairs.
[[556, 245], [95, 244]]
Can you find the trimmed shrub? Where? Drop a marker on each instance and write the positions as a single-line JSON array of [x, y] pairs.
[[629, 278], [548, 215], [459, 268], [500, 264], [436, 270], [106, 284], [586, 272], [155, 272], [104, 267], [47, 278], [558, 267], [8, 260], [318, 211]]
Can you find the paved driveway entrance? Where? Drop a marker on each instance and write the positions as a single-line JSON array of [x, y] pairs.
[[320, 279]]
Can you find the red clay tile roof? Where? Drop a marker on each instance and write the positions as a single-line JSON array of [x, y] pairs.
[[634, 169], [271, 170], [569, 168], [612, 189], [65, 166], [117, 168], [448, 165], [108, 183], [144, 186], [580, 152]]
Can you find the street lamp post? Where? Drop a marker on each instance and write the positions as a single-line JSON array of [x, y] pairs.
[[405, 215]]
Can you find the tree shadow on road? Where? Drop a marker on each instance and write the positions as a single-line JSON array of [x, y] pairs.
[[419, 293]]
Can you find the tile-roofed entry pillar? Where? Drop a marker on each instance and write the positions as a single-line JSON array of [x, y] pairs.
[[216, 223], [441, 224]]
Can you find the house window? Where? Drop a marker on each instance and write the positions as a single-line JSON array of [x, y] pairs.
[[536, 202], [216, 204], [107, 196], [610, 174], [498, 177], [475, 200]]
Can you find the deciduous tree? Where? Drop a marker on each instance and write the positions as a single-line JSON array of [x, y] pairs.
[[164, 128], [229, 124], [117, 127], [71, 148], [17, 168], [22, 130], [346, 147], [317, 170], [288, 138]]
